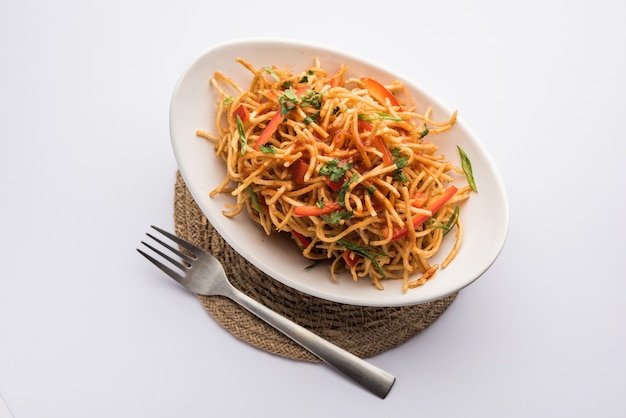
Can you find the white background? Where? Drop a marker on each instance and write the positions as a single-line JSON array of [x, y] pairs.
[[89, 329]]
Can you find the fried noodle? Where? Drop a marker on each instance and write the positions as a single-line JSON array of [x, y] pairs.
[[343, 165]]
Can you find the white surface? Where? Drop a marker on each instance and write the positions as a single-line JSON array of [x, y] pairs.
[[4, 409], [485, 216], [89, 329]]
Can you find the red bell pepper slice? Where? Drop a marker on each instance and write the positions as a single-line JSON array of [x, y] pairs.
[[242, 112], [433, 206], [303, 240], [365, 126], [380, 92], [350, 258], [335, 185], [418, 199], [316, 210], [298, 170], [269, 130], [276, 120], [381, 146]]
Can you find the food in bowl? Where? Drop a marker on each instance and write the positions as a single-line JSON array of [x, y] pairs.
[[347, 165]]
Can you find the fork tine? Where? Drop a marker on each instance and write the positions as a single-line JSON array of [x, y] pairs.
[[172, 260], [186, 245], [173, 274]]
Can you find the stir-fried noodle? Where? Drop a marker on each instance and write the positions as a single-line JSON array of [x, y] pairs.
[[344, 165]]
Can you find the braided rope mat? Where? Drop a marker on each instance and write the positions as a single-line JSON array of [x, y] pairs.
[[363, 331]]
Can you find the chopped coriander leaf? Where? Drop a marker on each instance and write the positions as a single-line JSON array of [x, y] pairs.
[[365, 252], [424, 132], [267, 148], [334, 218], [400, 176], [304, 79], [242, 134], [466, 164], [334, 170], [287, 85], [400, 160], [371, 190], [271, 72], [320, 203], [336, 110], [228, 100]]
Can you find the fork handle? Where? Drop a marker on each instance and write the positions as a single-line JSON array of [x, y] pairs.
[[367, 375]]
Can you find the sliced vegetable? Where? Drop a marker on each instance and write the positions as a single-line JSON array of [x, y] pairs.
[[379, 92], [271, 72], [335, 185], [381, 146], [350, 258], [334, 218], [242, 112], [418, 199], [305, 241], [466, 165], [365, 252], [433, 206], [315, 210], [255, 201], [269, 130], [242, 134], [298, 170], [334, 169]]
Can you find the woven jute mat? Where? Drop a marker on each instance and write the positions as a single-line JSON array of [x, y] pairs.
[[363, 331]]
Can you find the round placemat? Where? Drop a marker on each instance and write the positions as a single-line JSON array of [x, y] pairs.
[[363, 331]]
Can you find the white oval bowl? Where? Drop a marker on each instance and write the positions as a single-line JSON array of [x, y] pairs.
[[485, 216]]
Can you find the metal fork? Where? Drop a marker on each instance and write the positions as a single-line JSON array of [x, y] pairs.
[[203, 274]]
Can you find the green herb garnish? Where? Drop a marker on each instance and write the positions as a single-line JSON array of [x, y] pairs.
[[288, 101], [312, 98], [424, 132], [271, 72], [267, 148], [466, 164], [381, 116], [255, 202], [401, 161], [311, 118], [334, 218], [345, 187], [447, 227], [242, 135], [365, 252], [228, 100], [334, 170]]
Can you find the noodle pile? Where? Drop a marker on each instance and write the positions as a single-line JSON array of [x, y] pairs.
[[344, 165]]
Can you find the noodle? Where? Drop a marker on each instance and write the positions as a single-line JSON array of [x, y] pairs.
[[343, 165]]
